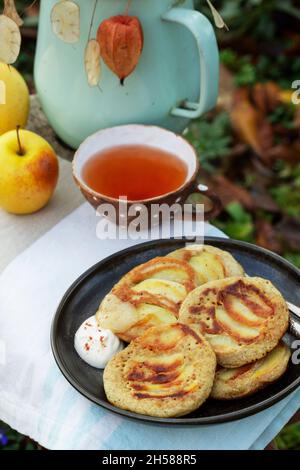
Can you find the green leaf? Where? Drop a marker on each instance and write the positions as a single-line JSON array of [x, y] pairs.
[[238, 213], [289, 438], [212, 140], [293, 258], [246, 75], [287, 197], [229, 58], [236, 230], [284, 115], [240, 231]]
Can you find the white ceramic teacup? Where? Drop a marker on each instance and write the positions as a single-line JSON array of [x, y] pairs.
[[150, 136]]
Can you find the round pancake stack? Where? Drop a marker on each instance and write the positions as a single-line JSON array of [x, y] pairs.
[[151, 294], [184, 313], [166, 372], [243, 318], [210, 263], [245, 380]]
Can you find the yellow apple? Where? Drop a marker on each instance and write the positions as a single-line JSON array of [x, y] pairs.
[[28, 172], [14, 99]]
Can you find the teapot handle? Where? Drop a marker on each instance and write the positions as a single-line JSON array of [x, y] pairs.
[[203, 32]]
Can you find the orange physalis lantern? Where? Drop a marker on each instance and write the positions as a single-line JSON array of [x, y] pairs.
[[121, 44]]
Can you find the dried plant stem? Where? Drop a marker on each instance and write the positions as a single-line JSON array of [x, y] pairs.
[[128, 7], [11, 12], [28, 7], [92, 19], [21, 151]]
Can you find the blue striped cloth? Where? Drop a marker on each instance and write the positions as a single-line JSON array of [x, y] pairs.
[[35, 398]]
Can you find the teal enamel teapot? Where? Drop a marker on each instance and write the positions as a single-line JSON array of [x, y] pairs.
[[176, 79]]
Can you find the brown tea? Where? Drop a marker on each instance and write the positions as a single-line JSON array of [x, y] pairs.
[[137, 171]]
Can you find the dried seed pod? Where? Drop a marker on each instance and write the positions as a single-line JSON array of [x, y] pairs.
[[92, 62], [121, 44], [11, 11], [65, 20], [10, 40], [219, 22]]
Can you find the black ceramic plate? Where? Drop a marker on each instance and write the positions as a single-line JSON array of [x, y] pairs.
[[83, 298]]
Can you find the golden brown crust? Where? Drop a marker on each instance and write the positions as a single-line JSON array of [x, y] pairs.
[[166, 372], [209, 262], [243, 318], [236, 383], [159, 268], [149, 295], [152, 293]]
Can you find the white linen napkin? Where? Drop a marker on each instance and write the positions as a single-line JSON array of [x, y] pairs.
[[36, 399]]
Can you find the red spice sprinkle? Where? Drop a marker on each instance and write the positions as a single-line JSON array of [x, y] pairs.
[[88, 324], [102, 341], [90, 337], [87, 347]]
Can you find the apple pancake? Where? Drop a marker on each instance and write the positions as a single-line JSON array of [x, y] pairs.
[[210, 263], [245, 380], [149, 295], [243, 318], [166, 372]]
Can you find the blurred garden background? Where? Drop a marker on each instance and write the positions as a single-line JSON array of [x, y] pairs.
[[249, 147]]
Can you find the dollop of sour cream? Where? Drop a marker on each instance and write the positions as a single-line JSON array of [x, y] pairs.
[[94, 345]]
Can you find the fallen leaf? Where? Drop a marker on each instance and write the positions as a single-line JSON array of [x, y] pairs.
[[229, 192], [284, 132], [263, 200], [246, 119], [297, 117], [266, 96], [267, 237], [227, 88], [286, 152], [259, 97], [289, 230], [266, 138], [286, 96], [263, 170]]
